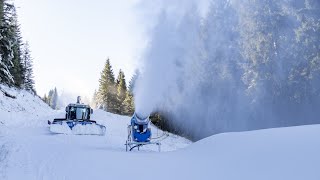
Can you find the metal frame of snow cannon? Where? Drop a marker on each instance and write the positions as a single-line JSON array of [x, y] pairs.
[[72, 120], [139, 134]]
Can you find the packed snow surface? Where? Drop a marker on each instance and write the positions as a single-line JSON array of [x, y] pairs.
[[28, 150]]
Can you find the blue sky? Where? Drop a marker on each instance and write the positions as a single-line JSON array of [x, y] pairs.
[[70, 41]]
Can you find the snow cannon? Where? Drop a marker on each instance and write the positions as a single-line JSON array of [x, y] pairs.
[[140, 130], [139, 134], [77, 121]]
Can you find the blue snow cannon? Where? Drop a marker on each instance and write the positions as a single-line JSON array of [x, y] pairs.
[[140, 130], [139, 134]]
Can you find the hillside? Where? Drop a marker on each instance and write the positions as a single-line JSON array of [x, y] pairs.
[[22, 108], [29, 151]]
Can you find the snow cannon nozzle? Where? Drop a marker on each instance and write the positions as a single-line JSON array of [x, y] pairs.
[[139, 116]]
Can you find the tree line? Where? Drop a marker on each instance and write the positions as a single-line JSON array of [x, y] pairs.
[[16, 64], [113, 94], [52, 98]]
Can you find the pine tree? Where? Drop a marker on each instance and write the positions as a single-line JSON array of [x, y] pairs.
[[107, 89], [28, 67], [15, 65], [121, 91], [1, 10], [94, 103], [49, 100], [305, 73], [128, 104], [17, 70], [7, 42], [45, 98], [52, 98], [133, 81]]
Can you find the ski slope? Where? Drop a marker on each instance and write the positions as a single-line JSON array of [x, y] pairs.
[[29, 151]]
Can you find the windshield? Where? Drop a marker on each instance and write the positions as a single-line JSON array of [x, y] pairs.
[[79, 113]]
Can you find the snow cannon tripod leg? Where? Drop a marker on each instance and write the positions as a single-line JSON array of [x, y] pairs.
[[129, 132], [126, 146], [159, 146], [128, 141]]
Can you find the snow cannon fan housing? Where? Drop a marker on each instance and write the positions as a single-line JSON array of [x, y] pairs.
[[140, 130]]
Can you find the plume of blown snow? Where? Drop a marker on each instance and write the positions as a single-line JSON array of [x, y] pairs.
[[228, 68], [164, 62]]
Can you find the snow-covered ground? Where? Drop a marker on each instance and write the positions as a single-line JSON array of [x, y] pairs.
[[25, 110], [29, 151]]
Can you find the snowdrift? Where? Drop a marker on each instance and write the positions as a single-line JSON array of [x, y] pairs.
[[280, 153]]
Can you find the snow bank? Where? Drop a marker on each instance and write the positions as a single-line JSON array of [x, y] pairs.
[[280, 153], [25, 109]]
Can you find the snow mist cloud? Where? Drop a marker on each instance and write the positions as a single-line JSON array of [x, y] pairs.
[[163, 64], [230, 69]]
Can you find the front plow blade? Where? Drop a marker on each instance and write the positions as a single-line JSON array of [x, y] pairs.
[[78, 128]]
